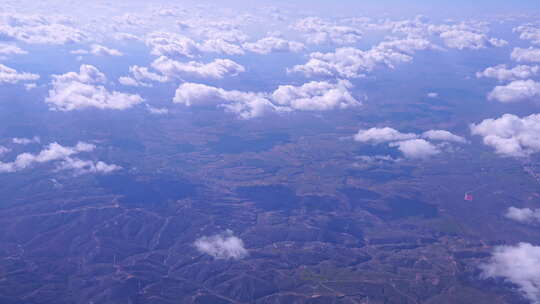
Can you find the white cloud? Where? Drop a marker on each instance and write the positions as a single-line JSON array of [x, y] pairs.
[[353, 63], [416, 148], [382, 135], [4, 150], [52, 152], [511, 135], [523, 215], [515, 91], [432, 95], [73, 91], [26, 141], [174, 45], [518, 265], [526, 55], [38, 29], [502, 73], [218, 68], [460, 39], [273, 44], [157, 111], [318, 96], [529, 32], [80, 166], [222, 246], [319, 31], [312, 96], [245, 104], [410, 144], [56, 152], [443, 135], [9, 75], [98, 50], [10, 49]]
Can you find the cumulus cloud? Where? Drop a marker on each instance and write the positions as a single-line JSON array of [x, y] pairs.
[[157, 111], [432, 95], [4, 150], [526, 55], [510, 135], [529, 32], [523, 215], [174, 46], [515, 91], [10, 49], [503, 73], [410, 144], [9, 75], [244, 104], [312, 96], [353, 63], [79, 166], [53, 151], [460, 39], [317, 96], [74, 91], [416, 148], [319, 31], [98, 50], [26, 141], [222, 246], [273, 44], [38, 29], [218, 68], [443, 135], [62, 154], [382, 135], [517, 265]]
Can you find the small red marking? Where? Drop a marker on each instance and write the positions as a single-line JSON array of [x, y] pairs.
[[468, 197]]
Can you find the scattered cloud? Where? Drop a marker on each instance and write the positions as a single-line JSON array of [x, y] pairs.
[[432, 95], [511, 135], [526, 55], [157, 111], [312, 96], [517, 265], [529, 32], [39, 29], [79, 166], [410, 144], [10, 49], [74, 91], [272, 45], [461, 39], [515, 91], [222, 246], [523, 215], [316, 96], [416, 148], [98, 50], [382, 135], [443, 135], [178, 46], [502, 73], [26, 141], [319, 31], [217, 69], [12, 76], [354, 63]]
